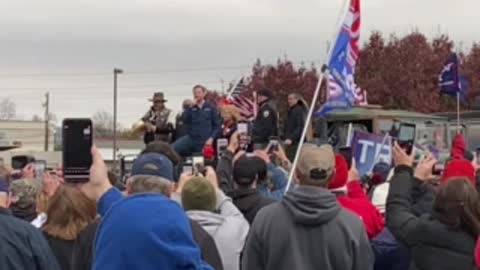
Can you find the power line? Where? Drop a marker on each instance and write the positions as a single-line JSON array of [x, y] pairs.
[[144, 72], [139, 86]]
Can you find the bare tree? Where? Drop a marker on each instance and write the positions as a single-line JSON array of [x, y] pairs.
[[8, 109], [103, 124]]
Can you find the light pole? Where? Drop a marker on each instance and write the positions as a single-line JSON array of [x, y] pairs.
[[116, 71]]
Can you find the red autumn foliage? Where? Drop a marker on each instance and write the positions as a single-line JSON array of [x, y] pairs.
[[398, 73]]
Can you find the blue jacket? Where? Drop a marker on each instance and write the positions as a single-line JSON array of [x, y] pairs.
[[202, 123], [144, 231], [279, 181]]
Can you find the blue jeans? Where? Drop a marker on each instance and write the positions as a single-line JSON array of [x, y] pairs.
[[185, 146]]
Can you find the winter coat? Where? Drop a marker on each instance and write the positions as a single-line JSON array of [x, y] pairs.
[[433, 244], [265, 124], [458, 147], [207, 245], [228, 228], [307, 230], [22, 246], [249, 202], [357, 201], [295, 122], [130, 237], [62, 249], [82, 258], [202, 123]]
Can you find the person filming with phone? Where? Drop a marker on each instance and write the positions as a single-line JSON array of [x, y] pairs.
[[202, 122]]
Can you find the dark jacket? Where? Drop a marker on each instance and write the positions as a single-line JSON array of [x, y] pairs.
[[433, 244], [202, 123], [180, 127], [62, 249], [249, 202], [82, 257], [307, 230], [295, 123], [22, 246], [265, 124], [207, 246]]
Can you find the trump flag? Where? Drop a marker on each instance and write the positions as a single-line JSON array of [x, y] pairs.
[[341, 88]]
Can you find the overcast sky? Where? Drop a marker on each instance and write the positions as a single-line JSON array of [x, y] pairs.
[[70, 47]]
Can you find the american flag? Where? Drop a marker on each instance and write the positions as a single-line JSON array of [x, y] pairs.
[[340, 85], [239, 99]]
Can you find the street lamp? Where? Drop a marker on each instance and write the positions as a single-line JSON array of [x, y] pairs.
[[116, 71]]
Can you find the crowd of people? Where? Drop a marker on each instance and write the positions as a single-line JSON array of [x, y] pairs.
[[237, 214]]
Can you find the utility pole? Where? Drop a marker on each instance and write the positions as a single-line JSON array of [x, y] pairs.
[[222, 82], [46, 105], [116, 71]]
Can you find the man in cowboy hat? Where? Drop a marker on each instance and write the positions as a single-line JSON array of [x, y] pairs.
[[159, 121]]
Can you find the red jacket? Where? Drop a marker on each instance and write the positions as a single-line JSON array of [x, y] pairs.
[[458, 147], [357, 201]]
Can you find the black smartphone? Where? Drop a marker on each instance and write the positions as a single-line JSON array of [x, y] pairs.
[[40, 166], [21, 161], [77, 143], [346, 152], [406, 137]]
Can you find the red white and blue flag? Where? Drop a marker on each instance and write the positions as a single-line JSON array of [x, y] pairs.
[[238, 97], [341, 88]]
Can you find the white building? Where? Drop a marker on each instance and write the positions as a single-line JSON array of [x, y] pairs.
[[29, 134]]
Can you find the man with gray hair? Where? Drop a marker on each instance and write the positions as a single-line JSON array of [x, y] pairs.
[[23, 246], [153, 173]]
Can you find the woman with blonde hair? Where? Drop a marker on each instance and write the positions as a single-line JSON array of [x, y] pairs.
[[69, 212], [231, 116]]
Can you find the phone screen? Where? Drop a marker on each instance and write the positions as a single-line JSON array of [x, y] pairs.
[[406, 137], [222, 145], [198, 164], [40, 166], [406, 133], [77, 144], [346, 152], [273, 144], [242, 128]]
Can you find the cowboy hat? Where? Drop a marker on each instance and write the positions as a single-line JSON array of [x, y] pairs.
[[158, 96]]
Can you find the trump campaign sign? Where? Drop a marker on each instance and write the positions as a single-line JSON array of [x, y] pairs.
[[368, 149]]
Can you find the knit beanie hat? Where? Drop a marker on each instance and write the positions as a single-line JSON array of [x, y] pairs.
[[458, 168], [341, 173], [199, 194]]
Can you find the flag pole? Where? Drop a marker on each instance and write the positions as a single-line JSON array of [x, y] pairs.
[[315, 97], [458, 112]]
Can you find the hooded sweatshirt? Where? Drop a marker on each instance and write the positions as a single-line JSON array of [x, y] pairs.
[[129, 238], [458, 147], [228, 228], [307, 230]]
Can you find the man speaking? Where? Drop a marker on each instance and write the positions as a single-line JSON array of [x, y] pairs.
[[202, 123]]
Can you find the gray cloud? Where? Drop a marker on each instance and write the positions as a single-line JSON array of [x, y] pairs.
[[89, 36]]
